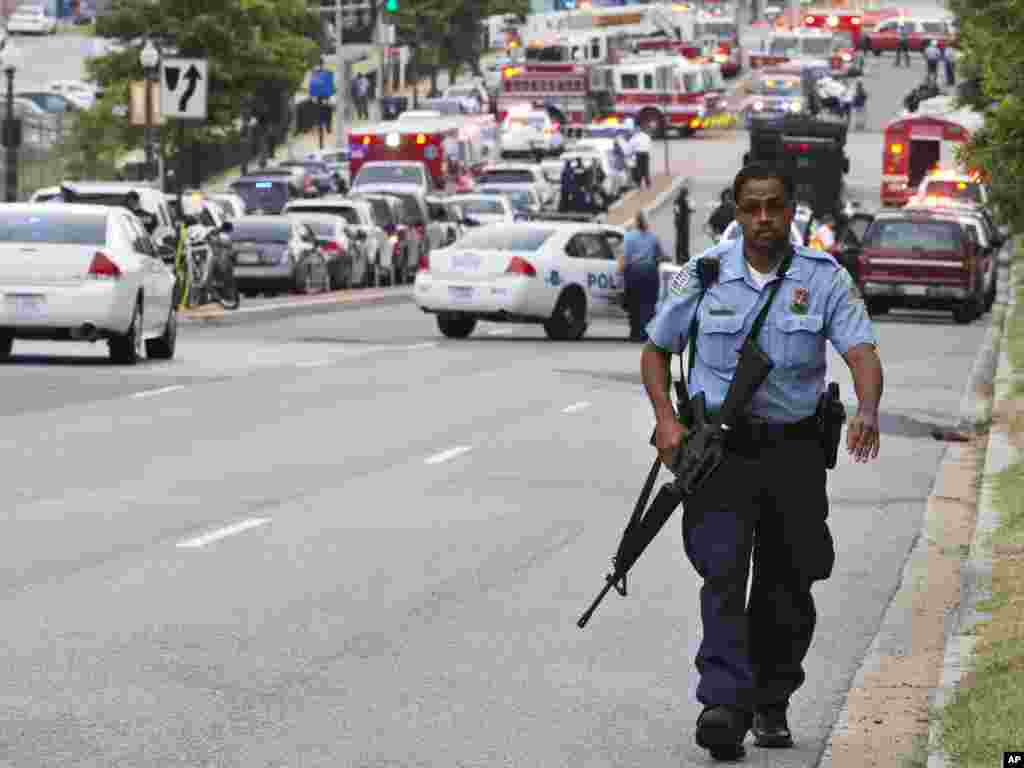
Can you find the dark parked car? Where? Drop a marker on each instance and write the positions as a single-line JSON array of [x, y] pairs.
[[265, 194], [324, 178], [407, 244], [275, 254]]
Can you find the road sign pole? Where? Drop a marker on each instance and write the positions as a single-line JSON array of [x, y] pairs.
[[340, 81]]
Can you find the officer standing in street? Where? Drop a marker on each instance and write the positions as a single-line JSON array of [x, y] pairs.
[[642, 253], [768, 498], [683, 209]]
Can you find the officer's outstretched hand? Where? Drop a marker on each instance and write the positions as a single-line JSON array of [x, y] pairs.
[[862, 437], [669, 434]]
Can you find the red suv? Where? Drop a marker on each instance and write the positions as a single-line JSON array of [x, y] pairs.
[[921, 259]]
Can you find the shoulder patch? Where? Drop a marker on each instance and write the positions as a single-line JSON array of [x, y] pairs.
[[681, 283]]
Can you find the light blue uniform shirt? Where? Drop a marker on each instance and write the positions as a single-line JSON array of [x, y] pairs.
[[816, 301], [641, 249]]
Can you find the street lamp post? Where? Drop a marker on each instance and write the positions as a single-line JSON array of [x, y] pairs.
[[150, 60], [11, 125]]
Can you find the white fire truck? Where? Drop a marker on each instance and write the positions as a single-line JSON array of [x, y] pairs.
[[634, 21]]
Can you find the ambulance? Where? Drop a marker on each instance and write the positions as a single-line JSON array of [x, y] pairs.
[[433, 141], [917, 143]]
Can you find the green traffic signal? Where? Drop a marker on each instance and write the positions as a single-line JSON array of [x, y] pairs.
[[391, 6]]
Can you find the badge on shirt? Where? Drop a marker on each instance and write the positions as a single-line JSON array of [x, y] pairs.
[[801, 301], [680, 282]]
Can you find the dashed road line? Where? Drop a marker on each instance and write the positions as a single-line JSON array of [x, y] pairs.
[[154, 392], [313, 364], [222, 533], [576, 407], [451, 453], [426, 345]]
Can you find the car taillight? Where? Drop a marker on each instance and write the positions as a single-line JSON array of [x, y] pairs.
[[330, 246], [555, 127], [103, 267], [797, 147], [421, 230], [520, 266], [424, 263]]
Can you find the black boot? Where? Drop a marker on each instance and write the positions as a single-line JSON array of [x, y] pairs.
[[771, 729], [721, 731]]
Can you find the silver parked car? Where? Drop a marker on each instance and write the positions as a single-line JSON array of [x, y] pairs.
[[275, 254]]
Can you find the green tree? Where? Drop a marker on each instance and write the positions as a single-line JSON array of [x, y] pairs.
[[258, 51], [100, 137], [992, 41], [448, 33]]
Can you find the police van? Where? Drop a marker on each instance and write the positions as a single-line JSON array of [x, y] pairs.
[[558, 271]]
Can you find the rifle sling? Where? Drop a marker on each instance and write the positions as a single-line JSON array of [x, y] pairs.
[[759, 321]]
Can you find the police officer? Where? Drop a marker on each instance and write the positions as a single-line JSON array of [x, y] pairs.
[[682, 211], [768, 499], [642, 252]]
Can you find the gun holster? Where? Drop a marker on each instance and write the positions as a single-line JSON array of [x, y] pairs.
[[831, 415]]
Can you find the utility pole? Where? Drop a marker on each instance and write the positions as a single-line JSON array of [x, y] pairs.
[[341, 81]]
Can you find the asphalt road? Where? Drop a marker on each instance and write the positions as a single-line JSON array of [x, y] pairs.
[[342, 540]]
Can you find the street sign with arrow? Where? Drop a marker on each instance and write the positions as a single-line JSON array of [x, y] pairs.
[[184, 85]]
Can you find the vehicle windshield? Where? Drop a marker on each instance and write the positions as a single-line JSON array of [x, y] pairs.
[[506, 177], [723, 30], [816, 46], [961, 191], [323, 229], [508, 238], [477, 206], [279, 232], [537, 122], [934, 27], [462, 91], [54, 226], [779, 87], [784, 45], [390, 174], [551, 54], [843, 39], [350, 215], [907, 234], [262, 195], [309, 165], [520, 199]]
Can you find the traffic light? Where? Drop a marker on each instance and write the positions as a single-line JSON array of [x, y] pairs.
[[391, 6]]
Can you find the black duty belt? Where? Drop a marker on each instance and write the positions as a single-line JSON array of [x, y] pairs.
[[766, 432]]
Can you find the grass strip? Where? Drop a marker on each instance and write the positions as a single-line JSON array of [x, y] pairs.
[[984, 719]]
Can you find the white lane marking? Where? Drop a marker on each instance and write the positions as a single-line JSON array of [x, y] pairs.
[[160, 391], [427, 345], [576, 407], [496, 332], [223, 533], [451, 453], [313, 364]]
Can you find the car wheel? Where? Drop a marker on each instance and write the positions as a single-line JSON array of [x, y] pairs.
[[568, 321], [126, 349], [162, 348], [6, 345], [455, 325], [965, 313]]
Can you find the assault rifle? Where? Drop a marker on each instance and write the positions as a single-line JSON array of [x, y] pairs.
[[695, 462]]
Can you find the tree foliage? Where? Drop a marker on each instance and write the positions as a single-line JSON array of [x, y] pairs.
[[449, 33], [992, 40], [258, 51]]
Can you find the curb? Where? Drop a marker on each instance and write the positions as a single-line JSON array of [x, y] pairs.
[[348, 300], [973, 410], [976, 571], [217, 316]]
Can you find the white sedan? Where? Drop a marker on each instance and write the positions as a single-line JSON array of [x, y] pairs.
[[558, 274], [487, 209], [84, 273], [31, 21]]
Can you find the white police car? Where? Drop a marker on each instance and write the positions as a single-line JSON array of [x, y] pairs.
[[548, 271]]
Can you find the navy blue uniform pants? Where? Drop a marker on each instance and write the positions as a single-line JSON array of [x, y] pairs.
[[642, 288], [769, 501]]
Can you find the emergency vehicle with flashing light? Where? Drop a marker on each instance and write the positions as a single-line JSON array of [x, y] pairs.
[[800, 44], [917, 143], [552, 271], [951, 186], [719, 39]]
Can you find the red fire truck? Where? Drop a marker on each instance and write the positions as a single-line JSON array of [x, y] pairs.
[[918, 142], [831, 20]]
